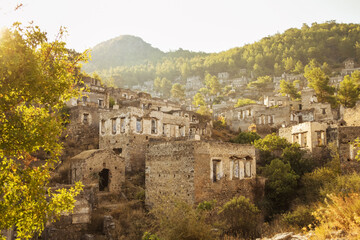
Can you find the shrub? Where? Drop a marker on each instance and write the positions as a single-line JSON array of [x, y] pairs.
[[246, 138], [280, 185], [241, 218], [301, 217], [176, 219], [339, 214]]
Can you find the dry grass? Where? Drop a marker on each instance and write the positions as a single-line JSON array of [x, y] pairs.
[[339, 217]]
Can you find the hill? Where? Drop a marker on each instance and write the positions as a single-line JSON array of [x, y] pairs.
[[125, 50], [288, 52]]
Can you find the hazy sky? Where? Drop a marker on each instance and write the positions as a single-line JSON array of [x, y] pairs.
[[198, 25]]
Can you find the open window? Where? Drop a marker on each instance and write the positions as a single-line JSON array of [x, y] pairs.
[[100, 102], [102, 127], [113, 125], [86, 118], [122, 125], [138, 125], [216, 170], [153, 126], [248, 161]]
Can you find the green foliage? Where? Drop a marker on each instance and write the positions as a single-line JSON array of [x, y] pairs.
[[163, 86], [271, 142], [342, 185], [280, 185], [288, 88], [37, 76], [348, 93], [178, 91], [220, 124], [313, 182], [296, 157], [241, 218], [213, 84], [203, 110], [131, 61], [243, 102], [300, 217], [149, 236], [111, 102], [207, 205], [260, 83], [198, 100], [245, 138], [319, 81]]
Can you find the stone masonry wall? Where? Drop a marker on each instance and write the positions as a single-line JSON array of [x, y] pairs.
[[228, 186], [170, 171]]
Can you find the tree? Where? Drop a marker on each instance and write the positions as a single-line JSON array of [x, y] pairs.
[[320, 83], [260, 83], [348, 93], [178, 91], [288, 88], [243, 102], [241, 218], [157, 84], [198, 100], [213, 84], [165, 87], [281, 184], [245, 138], [271, 142], [203, 110], [299, 67], [37, 76]]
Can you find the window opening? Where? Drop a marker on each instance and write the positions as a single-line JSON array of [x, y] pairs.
[[86, 118]]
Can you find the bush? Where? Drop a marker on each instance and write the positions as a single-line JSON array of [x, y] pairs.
[[246, 138], [301, 217], [177, 219], [241, 218], [338, 215], [280, 186], [313, 182]]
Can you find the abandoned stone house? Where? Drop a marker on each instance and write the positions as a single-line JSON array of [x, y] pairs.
[[195, 171], [309, 135], [127, 130], [264, 117], [99, 167], [349, 67], [309, 109]]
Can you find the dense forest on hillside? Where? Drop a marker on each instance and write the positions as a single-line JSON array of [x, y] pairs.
[[288, 52]]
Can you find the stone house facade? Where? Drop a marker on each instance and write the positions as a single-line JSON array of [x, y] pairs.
[[103, 168], [309, 135], [127, 130], [195, 171]]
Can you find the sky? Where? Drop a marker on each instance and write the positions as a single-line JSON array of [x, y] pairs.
[[196, 25]]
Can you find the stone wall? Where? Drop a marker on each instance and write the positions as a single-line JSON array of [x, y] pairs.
[[352, 115], [347, 151], [102, 167], [228, 185], [195, 171]]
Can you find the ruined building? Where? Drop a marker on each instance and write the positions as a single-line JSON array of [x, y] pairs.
[[196, 171]]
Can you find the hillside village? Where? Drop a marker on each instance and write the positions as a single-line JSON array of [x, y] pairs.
[[241, 144], [121, 143]]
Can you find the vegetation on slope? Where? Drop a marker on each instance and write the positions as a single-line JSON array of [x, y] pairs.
[[288, 52]]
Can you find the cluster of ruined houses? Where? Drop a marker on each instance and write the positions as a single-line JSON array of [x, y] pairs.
[[116, 133]]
